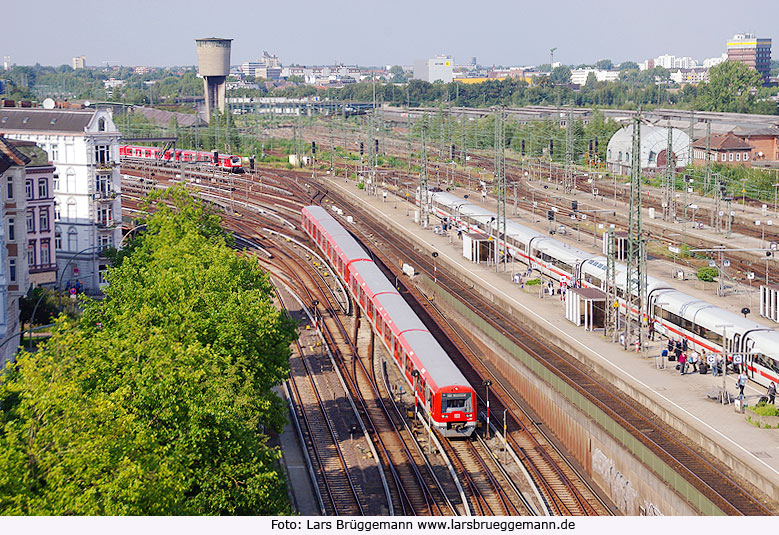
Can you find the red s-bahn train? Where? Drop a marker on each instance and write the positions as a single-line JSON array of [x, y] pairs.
[[439, 386], [230, 162]]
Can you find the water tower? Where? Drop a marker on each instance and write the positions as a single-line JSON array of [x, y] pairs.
[[213, 61]]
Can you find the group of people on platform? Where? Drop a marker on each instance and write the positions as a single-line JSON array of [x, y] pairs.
[[679, 351]]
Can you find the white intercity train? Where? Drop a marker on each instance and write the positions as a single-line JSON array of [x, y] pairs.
[[707, 327]]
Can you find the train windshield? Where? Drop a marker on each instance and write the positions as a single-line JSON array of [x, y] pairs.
[[456, 402]]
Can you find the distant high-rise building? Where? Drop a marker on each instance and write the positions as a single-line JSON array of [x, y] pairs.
[[79, 62], [752, 51], [437, 68], [672, 62], [713, 62]]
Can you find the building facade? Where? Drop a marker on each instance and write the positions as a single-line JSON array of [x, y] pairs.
[[13, 239], [724, 148], [83, 145], [764, 143], [752, 51], [39, 220], [654, 148], [434, 69], [79, 62]]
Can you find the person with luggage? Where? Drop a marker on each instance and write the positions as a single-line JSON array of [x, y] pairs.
[[683, 363], [694, 361], [771, 393]]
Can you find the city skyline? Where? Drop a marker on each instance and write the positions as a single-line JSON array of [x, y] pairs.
[[349, 33]]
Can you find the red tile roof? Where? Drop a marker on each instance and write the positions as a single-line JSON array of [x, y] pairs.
[[723, 142]]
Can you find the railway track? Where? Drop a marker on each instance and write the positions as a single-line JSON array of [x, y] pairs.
[[713, 481]]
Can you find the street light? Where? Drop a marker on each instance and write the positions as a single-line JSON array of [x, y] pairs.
[[724, 327], [435, 267], [415, 375]]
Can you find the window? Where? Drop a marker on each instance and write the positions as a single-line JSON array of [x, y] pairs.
[[43, 189], [9, 188], [738, 156], [652, 156], [102, 155], [28, 189], [70, 181], [12, 269], [106, 241], [104, 216], [731, 157], [101, 125], [30, 221], [11, 229], [746, 156], [57, 214], [31, 253], [56, 183], [45, 256], [55, 152], [58, 240], [44, 220], [103, 184], [72, 239], [71, 214], [101, 274]]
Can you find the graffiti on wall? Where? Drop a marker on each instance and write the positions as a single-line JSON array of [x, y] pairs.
[[621, 491]]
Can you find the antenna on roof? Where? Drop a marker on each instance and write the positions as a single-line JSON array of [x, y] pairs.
[[48, 104]]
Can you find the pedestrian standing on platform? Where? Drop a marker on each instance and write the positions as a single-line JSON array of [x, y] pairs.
[[683, 363], [684, 344], [652, 330], [694, 361], [771, 393], [742, 382]]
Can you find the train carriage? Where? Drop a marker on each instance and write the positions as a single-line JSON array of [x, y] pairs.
[[706, 327], [440, 388], [231, 162]]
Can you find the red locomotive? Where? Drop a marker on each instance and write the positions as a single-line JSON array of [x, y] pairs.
[[230, 162], [447, 398]]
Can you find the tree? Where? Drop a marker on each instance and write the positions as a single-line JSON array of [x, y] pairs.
[[561, 75], [604, 64], [156, 401], [591, 80], [729, 88]]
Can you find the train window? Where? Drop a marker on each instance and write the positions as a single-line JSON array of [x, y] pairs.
[[766, 362], [387, 335], [456, 402]]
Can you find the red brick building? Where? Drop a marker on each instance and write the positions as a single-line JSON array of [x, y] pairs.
[[764, 143], [726, 149]]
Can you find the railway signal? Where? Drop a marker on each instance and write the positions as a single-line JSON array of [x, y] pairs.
[[313, 147], [362, 148], [216, 156]]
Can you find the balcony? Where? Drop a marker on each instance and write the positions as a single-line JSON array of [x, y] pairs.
[[40, 268], [105, 197], [106, 224]]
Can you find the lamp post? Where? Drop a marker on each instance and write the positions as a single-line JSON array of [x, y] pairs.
[[724, 327], [435, 267], [487, 384]]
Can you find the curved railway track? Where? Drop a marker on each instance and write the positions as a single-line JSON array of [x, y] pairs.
[[713, 481]]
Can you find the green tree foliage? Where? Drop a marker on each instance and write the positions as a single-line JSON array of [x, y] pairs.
[[604, 64], [156, 401], [707, 274], [561, 75], [628, 65], [729, 88]]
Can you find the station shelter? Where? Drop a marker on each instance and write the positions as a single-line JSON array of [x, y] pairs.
[[586, 306], [478, 247], [769, 301]]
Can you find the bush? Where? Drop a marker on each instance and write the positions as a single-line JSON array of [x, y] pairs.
[[707, 274], [763, 409], [361, 185], [533, 282]]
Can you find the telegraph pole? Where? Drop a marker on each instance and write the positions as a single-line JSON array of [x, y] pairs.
[[568, 180], [500, 177], [669, 179], [635, 294], [708, 157], [612, 312], [423, 177]]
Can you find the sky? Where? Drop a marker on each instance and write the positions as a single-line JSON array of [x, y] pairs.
[[310, 32]]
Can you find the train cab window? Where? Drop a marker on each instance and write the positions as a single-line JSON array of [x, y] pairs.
[[456, 402]]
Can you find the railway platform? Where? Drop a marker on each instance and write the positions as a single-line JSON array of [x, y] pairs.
[[680, 401]]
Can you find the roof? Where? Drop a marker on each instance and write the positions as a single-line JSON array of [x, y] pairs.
[[589, 293], [11, 153], [39, 119], [162, 117], [723, 142], [38, 157], [749, 131]]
